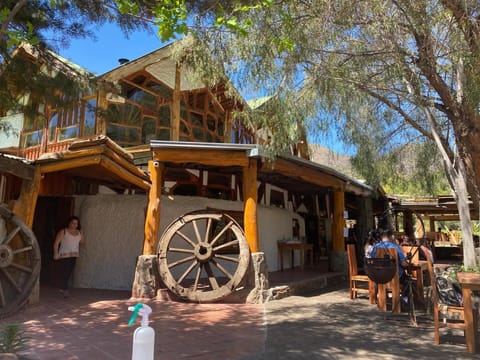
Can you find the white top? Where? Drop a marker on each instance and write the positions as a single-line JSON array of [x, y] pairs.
[[69, 245]]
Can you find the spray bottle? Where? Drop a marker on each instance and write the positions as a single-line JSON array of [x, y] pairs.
[[144, 336]]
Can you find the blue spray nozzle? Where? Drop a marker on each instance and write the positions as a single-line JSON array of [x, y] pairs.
[[140, 309], [135, 310]]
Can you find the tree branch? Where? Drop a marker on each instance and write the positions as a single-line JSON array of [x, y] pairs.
[[11, 15], [471, 29]]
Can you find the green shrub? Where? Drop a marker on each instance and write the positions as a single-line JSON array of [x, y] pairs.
[[13, 339]]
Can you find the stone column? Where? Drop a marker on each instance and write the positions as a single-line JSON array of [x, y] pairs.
[[257, 279], [147, 279]]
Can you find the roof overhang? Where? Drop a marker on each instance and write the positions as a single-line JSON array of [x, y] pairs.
[[99, 159], [288, 172], [160, 65], [16, 166]]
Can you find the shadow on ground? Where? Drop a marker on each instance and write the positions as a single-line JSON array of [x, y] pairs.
[[328, 325]]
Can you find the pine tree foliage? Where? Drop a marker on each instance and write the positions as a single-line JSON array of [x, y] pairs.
[[48, 24]]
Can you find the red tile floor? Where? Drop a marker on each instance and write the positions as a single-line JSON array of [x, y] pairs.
[[92, 324]]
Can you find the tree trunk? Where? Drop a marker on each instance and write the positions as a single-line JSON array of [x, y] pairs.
[[457, 178], [463, 207]]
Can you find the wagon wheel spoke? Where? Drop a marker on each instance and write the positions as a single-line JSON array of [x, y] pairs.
[[222, 269], [12, 281], [180, 250], [211, 277], [227, 258], [196, 263], [207, 231], [18, 251], [181, 261], [226, 245], [188, 271], [10, 236], [197, 277], [220, 234], [186, 238], [197, 232], [2, 295], [21, 267], [19, 264]]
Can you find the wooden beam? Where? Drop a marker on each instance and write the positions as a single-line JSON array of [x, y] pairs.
[[17, 168], [338, 224], [203, 157], [250, 205], [175, 129], [124, 174], [24, 206], [297, 171], [70, 164], [152, 219]]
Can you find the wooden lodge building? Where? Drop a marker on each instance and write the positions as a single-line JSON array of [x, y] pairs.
[[129, 162]]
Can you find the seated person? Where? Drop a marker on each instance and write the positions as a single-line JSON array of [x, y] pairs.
[[440, 236], [373, 238], [425, 248], [387, 241], [404, 240]]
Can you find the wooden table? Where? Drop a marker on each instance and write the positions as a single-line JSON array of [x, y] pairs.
[[469, 283], [417, 271], [302, 247]]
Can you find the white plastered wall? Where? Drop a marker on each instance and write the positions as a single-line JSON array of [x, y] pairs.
[[114, 224]]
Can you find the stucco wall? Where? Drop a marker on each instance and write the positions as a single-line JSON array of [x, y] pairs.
[[113, 226]]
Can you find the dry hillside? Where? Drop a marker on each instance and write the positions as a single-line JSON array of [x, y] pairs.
[[325, 156]]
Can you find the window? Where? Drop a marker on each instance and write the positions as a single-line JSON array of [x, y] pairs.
[[89, 122], [68, 133], [33, 139], [52, 127], [124, 135], [148, 129]]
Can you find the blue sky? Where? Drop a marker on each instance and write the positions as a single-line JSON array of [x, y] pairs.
[[101, 55]]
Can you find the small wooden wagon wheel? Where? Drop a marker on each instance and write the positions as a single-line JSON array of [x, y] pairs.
[[19, 262], [203, 256]]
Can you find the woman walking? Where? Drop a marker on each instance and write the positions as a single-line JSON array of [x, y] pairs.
[[66, 249]]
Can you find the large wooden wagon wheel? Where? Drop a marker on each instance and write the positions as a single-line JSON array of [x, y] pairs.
[[203, 256], [19, 262]]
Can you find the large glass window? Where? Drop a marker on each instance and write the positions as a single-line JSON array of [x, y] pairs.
[[148, 130], [89, 122], [33, 139], [124, 135], [68, 133], [164, 116], [52, 127], [143, 98]]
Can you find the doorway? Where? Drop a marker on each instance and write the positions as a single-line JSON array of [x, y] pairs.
[[51, 215]]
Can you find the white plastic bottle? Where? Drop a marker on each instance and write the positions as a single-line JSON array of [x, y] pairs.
[[144, 336]]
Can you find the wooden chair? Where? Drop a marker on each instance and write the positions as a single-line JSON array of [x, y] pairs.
[[356, 278], [448, 322], [393, 286]]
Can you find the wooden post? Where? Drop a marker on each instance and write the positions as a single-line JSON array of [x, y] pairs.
[[432, 223], [152, 219], [102, 106], [338, 221], [175, 132], [227, 136], [250, 204], [24, 206]]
